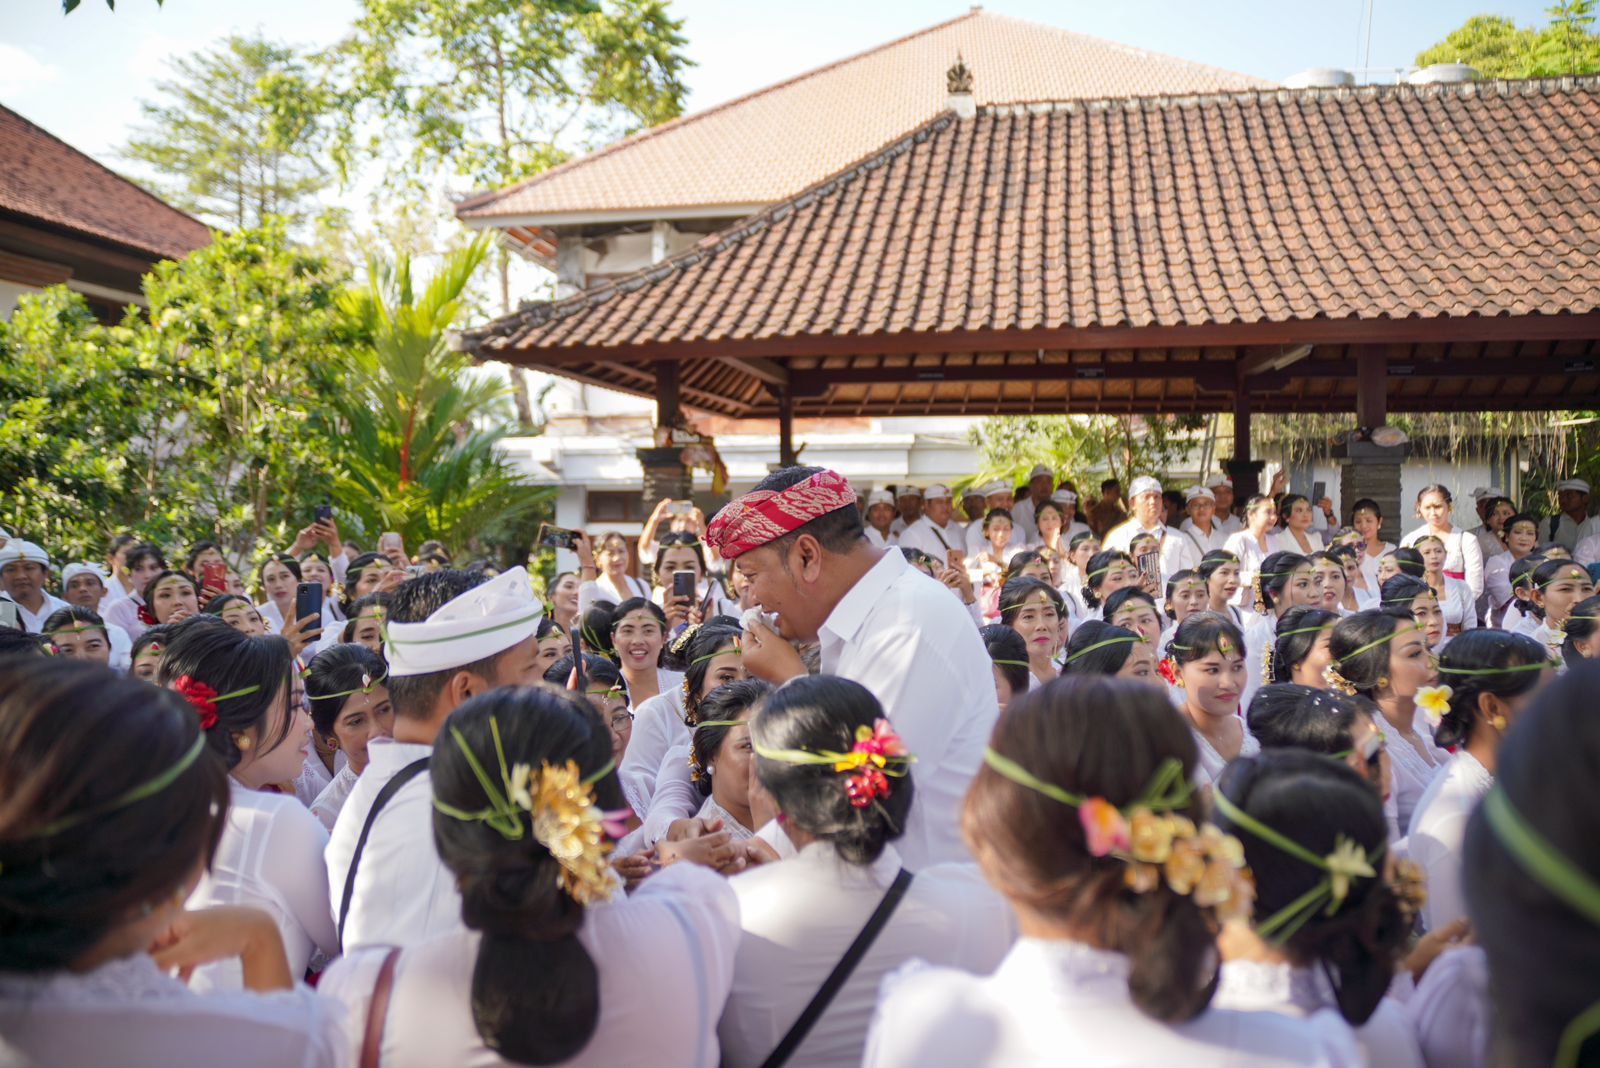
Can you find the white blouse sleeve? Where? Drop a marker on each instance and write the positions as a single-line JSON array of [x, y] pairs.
[[1472, 558], [1450, 1009], [295, 860], [675, 797], [657, 724]]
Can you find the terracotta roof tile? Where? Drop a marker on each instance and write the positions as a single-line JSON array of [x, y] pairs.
[[765, 146], [44, 178]]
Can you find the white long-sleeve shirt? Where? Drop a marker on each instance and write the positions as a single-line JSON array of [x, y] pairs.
[[902, 636], [1461, 555], [1438, 829], [1386, 1039]]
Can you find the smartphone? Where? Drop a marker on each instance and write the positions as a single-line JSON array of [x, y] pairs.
[[683, 584], [1150, 564], [955, 558], [324, 513], [1319, 490], [308, 602], [214, 576], [680, 508], [388, 540], [10, 615], [556, 537]]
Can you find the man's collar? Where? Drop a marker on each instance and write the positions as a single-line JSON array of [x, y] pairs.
[[845, 621]]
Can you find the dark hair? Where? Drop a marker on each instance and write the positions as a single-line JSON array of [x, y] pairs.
[[1019, 590], [1520, 517], [726, 703], [1052, 505], [1109, 483], [996, 513], [626, 608], [1276, 570], [1286, 715], [1521, 577], [1434, 487], [359, 605], [74, 740], [594, 629], [194, 553], [145, 551], [1289, 648], [339, 669], [1256, 501], [117, 542], [66, 617], [680, 539], [352, 575], [1540, 947], [1177, 579], [1343, 554], [1105, 738], [547, 628], [285, 559], [413, 601], [207, 650], [1316, 803], [1115, 602], [1106, 660], [838, 531], [1409, 561], [1471, 652], [20, 643], [219, 604], [1021, 560], [691, 653], [1211, 561], [1201, 635], [597, 670], [1582, 624], [1366, 504], [821, 713], [1286, 504], [535, 989], [1401, 591], [1079, 538], [1371, 632], [1550, 571], [1003, 643], [1098, 565], [156, 635], [314, 554]]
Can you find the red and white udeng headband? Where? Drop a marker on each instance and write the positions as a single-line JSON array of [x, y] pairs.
[[764, 516]]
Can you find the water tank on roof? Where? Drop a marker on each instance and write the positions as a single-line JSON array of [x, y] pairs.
[[1320, 78], [1441, 73]]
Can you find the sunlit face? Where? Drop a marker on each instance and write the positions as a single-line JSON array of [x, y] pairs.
[[282, 762], [1141, 664], [552, 649], [23, 580], [1213, 683], [1427, 614], [1143, 543], [938, 510], [174, 599], [1409, 667], [677, 559], [1569, 586], [1434, 510], [141, 573], [365, 716], [1388, 568], [638, 637], [1311, 670], [1039, 624], [312, 569], [1329, 580], [725, 667], [1352, 571], [1301, 516], [1034, 569], [1202, 510], [1521, 537], [1223, 584], [80, 642], [368, 630], [1085, 551], [998, 530], [1141, 618], [1263, 516], [1049, 522], [776, 583], [730, 768], [564, 595], [1432, 550], [85, 590], [369, 578], [612, 707], [208, 556], [243, 617], [279, 582], [880, 516], [613, 554], [1147, 508], [1496, 519], [1187, 598], [1300, 590]]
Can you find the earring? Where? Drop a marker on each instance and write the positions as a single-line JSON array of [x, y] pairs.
[[1383, 682], [1498, 723], [711, 769]]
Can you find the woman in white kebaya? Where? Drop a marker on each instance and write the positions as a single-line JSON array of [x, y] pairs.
[[844, 783], [1463, 555], [349, 706], [1085, 818]]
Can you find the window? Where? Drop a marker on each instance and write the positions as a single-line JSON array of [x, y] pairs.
[[617, 507]]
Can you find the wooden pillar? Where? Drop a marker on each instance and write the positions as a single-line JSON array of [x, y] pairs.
[[1372, 386], [662, 466], [1243, 469], [786, 454], [667, 411], [1368, 470]]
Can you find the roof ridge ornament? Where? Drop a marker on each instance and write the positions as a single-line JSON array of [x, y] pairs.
[[958, 82]]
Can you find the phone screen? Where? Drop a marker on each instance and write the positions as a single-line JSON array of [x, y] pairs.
[[1319, 490], [1150, 564], [683, 584], [308, 601]]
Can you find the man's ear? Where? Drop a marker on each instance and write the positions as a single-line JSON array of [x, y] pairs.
[[807, 554], [463, 686]]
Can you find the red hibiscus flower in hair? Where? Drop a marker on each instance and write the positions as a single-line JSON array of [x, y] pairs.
[[865, 785], [147, 617], [201, 696], [1168, 671]]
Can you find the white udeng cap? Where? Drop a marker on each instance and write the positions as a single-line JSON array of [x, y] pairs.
[[1198, 491], [1576, 484], [16, 549], [990, 489], [1144, 484], [1064, 497], [936, 492], [486, 620], [1219, 481], [907, 491], [1040, 471], [880, 497], [72, 571]]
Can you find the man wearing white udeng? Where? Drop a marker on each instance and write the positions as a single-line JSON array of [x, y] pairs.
[[797, 538]]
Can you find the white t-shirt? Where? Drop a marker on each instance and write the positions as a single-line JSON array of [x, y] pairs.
[[1054, 1003], [270, 856], [601, 589], [665, 959], [1438, 829], [800, 915], [902, 636]]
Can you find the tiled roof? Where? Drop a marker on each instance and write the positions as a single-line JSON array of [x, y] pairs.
[[1279, 206], [771, 144], [45, 178]]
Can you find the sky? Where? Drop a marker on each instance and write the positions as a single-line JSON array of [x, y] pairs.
[[82, 76]]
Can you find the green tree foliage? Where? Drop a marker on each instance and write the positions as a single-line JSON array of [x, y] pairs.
[[421, 452], [207, 418], [1497, 48], [239, 132], [1123, 446]]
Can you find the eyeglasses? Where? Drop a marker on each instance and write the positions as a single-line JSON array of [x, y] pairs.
[[621, 722]]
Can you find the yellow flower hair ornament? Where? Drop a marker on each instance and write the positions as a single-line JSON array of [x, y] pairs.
[[557, 802], [877, 754], [1434, 702]]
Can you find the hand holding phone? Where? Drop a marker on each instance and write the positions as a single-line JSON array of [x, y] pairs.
[[308, 602], [683, 585], [214, 576], [553, 537]]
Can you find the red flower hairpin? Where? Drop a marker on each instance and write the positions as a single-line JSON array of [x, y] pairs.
[[864, 785], [147, 617], [201, 696], [1168, 671]]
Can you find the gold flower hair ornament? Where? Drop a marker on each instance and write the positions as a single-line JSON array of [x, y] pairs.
[[1334, 677], [877, 755], [1434, 702], [1156, 843], [685, 636], [557, 802], [1347, 863], [1336, 681]]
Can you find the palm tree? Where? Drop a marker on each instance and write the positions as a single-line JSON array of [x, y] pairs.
[[424, 425]]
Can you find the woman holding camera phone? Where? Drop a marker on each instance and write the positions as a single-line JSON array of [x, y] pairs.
[[695, 597]]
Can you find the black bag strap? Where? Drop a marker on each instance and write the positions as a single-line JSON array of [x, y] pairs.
[[841, 972], [390, 788]]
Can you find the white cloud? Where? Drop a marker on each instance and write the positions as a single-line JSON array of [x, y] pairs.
[[20, 72]]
